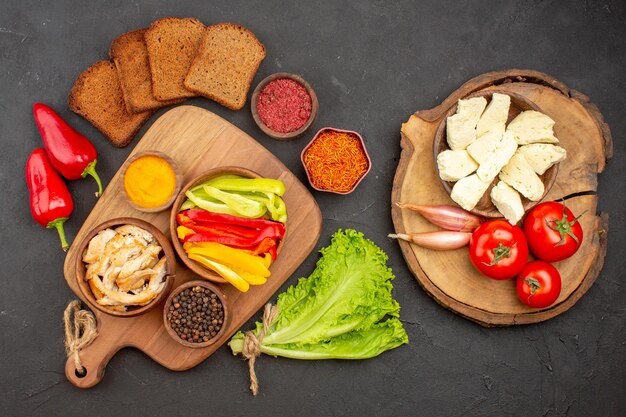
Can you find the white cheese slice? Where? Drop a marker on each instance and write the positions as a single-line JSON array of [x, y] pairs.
[[454, 165], [461, 127], [532, 127], [472, 106], [468, 191], [485, 145], [520, 175], [498, 158], [508, 202], [495, 115], [542, 156]]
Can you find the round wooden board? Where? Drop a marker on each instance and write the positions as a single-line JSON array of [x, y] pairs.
[[449, 277]]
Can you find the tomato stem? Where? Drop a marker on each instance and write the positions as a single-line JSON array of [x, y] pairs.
[[534, 285], [564, 227], [500, 252]]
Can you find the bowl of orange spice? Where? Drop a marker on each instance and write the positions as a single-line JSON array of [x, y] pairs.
[[151, 181], [336, 160]]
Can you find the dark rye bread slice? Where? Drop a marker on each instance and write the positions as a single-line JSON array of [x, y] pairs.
[[130, 55], [227, 60], [172, 44], [97, 96]]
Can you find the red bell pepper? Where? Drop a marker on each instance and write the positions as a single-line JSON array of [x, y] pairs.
[[71, 153], [50, 201], [207, 217]]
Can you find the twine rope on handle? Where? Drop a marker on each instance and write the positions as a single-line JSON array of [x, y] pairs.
[[252, 344], [80, 331]]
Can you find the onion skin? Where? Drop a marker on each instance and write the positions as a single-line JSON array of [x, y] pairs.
[[447, 217], [444, 240]]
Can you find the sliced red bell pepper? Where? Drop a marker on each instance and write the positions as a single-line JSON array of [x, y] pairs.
[[267, 245], [273, 252], [235, 241], [216, 228], [205, 217]]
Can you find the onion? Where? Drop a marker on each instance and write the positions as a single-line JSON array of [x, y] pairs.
[[436, 240], [447, 217]]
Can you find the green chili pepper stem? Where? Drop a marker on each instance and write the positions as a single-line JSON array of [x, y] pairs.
[[90, 169], [58, 224]]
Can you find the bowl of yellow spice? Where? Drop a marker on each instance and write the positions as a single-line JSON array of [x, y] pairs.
[[151, 181]]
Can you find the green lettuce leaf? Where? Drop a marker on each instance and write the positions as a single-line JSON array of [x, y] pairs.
[[338, 307], [362, 344]]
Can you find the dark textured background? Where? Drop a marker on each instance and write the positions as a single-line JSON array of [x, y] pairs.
[[372, 63]]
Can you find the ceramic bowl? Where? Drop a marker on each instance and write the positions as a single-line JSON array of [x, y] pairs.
[[289, 135], [485, 207], [178, 247], [167, 252], [332, 129], [220, 295], [177, 172]]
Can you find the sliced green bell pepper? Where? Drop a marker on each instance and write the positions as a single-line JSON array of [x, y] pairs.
[[210, 205], [261, 185], [275, 205], [242, 205]]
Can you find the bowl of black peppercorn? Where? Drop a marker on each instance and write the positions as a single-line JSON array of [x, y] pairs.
[[195, 314]]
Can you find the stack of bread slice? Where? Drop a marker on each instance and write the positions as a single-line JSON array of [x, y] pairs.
[[172, 60]]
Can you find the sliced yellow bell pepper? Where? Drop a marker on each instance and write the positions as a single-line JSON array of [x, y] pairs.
[[250, 278], [267, 260], [232, 257], [183, 232], [224, 271]]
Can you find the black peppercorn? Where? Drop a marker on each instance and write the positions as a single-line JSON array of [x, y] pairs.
[[196, 314]]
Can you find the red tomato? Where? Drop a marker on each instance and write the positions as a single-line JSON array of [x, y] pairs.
[[539, 284], [552, 231], [498, 249]]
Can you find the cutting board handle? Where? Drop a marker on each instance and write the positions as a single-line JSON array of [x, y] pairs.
[[94, 359]]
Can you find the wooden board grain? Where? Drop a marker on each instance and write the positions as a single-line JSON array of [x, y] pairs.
[[449, 277], [197, 140]]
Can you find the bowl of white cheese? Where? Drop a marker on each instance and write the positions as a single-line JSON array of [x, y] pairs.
[[496, 154]]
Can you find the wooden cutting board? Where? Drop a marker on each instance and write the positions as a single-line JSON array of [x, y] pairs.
[[197, 140], [449, 277]]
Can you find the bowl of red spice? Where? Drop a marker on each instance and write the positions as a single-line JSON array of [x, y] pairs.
[[284, 106], [336, 160]]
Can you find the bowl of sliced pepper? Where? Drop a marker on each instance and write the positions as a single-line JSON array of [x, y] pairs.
[[228, 225]]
